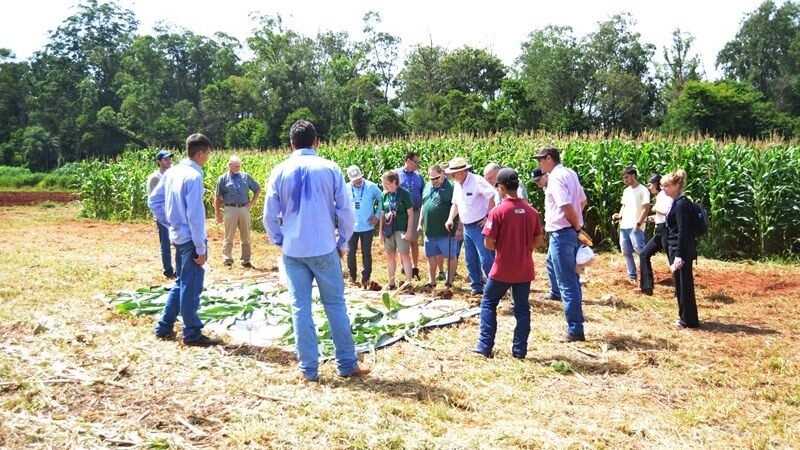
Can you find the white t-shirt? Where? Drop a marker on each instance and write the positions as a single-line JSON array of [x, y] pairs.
[[663, 203], [472, 198], [633, 201]]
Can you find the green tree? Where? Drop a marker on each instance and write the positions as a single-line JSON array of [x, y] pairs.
[[473, 71], [383, 51]]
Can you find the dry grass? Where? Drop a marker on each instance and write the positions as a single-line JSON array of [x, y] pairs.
[[75, 375]]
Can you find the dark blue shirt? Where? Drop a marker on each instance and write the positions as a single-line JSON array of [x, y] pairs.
[[413, 183]]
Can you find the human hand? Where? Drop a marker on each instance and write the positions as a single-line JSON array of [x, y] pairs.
[[341, 253], [651, 219], [615, 216], [448, 225], [200, 260], [677, 264], [250, 204], [373, 220]]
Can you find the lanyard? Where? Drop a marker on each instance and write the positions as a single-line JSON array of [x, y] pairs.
[[392, 200], [361, 193]]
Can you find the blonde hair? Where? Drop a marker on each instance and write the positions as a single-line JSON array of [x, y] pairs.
[[678, 177]]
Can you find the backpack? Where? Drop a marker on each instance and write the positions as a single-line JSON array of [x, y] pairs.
[[701, 221]]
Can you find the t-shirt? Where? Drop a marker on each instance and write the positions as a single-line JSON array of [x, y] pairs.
[[633, 201], [436, 208], [514, 224], [398, 201], [663, 203]]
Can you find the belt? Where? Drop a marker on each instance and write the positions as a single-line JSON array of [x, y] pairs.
[[236, 205], [474, 223]]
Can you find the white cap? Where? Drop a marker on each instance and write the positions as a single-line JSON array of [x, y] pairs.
[[354, 173]]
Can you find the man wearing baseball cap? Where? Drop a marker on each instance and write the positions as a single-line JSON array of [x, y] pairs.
[[564, 200], [514, 230], [365, 196], [164, 162]]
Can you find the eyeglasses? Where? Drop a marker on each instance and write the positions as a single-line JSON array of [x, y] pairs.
[[415, 161]]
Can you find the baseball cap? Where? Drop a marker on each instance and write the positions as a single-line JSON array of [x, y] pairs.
[[163, 154], [547, 151], [537, 173], [507, 176], [354, 173]]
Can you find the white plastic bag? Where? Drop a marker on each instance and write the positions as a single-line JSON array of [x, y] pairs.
[[585, 256]]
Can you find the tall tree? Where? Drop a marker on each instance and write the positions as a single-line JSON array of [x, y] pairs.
[[383, 51]]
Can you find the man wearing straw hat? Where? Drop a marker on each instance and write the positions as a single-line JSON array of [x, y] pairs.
[[473, 198]]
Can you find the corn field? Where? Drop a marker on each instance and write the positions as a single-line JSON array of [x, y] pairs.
[[751, 190]]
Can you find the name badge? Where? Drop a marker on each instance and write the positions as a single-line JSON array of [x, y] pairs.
[[357, 205], [469, 193]]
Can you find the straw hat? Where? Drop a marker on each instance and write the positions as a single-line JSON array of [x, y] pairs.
[[457, 164]]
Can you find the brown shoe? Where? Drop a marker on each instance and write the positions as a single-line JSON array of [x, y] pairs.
[[361, 370]]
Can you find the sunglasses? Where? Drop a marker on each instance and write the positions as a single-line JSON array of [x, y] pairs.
[[435, 178]]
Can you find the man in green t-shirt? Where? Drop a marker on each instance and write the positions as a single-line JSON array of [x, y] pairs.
[[437, 198]]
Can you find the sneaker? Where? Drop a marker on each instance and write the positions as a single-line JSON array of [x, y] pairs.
[[247, 265], [476, 293], [681, 324], [569, 337], [549, 296], [478, 351], [391, 287], [643, 291], [203, 341], [520, 357], [228, 264], [171, 276], [361, 370], [415, 273]]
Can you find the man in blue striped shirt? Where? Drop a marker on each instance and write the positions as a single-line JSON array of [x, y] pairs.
[[308, 193], [177, 202]]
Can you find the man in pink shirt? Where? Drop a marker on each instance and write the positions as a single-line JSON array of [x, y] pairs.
[[564, 200], [514, 230]]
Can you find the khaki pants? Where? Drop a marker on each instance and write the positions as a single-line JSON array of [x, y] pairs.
[[236, 217]]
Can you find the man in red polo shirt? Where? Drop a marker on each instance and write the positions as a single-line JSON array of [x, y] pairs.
[[513, 230]]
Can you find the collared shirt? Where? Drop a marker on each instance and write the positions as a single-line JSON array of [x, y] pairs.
[[235, 188], [177, 202], [153, 180], [472, 198], [436, 208], [365, 201], [563, 188], [413, 183], [308, 192]]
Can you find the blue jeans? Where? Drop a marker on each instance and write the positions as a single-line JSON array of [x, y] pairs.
[[631, 240], [327, 270], [166, 257], [551, 276], [495, 290], [564, 246], [184, 297], [478, 257]]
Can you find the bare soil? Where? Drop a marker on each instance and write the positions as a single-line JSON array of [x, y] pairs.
[[18, 198]]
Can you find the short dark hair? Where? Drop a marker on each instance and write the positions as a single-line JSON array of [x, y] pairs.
[[655, 180], [630, 170], [411, 155], [197, 143], [303, 134]]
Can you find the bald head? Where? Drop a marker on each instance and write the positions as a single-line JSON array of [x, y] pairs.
[[490, 172]]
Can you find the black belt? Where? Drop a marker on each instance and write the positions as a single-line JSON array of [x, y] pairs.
[[236, 205], [474, 223]]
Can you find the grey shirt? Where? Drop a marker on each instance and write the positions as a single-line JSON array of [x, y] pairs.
[[235, 189]]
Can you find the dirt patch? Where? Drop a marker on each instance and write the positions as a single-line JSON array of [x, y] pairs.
[[763, 284], [20, 198]]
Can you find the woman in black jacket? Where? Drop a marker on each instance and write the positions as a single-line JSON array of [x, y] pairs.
[[682, 247]]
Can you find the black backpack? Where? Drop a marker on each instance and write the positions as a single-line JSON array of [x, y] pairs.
[[701, 221]]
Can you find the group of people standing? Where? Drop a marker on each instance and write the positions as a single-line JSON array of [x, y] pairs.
[[316, 219]]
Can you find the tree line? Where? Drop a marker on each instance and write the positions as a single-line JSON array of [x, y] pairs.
[[98, 87]]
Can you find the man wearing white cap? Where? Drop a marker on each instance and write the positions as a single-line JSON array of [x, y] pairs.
[[365, 196], [164, 162], [473, 198]]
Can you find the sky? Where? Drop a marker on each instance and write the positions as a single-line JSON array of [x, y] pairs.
[[499, 26]]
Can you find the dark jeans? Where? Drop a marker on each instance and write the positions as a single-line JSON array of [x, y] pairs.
[[166, 257], [365, 237], [684, 291], [657, 242], [184, 297], [492, 293]]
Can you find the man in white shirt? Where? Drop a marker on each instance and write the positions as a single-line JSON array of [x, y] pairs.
[[164, 161], [473, 198], [632, 217]]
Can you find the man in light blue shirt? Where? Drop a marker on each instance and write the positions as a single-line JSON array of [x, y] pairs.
[[177, 202], [308, 193], [365, 196], [412, 181]]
